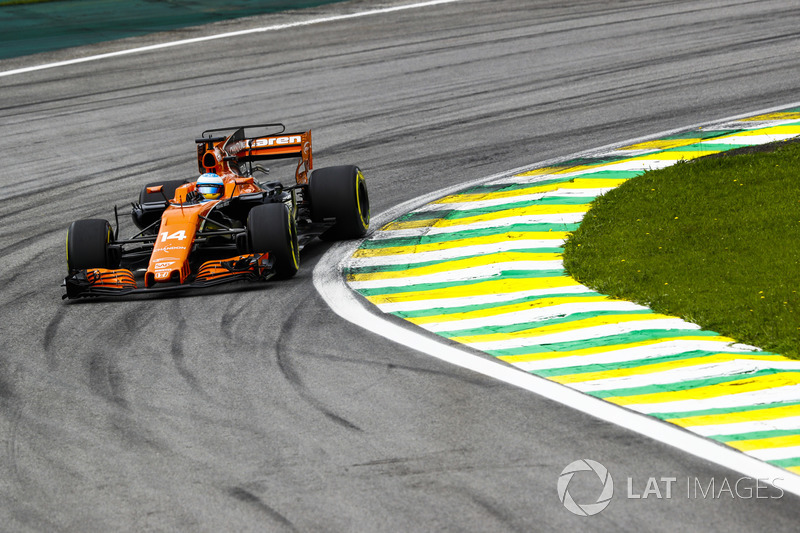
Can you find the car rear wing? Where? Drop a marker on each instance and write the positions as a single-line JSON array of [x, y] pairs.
[[227, 153]]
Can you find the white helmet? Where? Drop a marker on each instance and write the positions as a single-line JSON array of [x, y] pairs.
[[210, 186]]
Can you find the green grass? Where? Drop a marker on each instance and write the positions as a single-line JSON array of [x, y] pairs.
[[715, 241]]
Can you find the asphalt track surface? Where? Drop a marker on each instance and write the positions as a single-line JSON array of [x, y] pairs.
[[259, 409]]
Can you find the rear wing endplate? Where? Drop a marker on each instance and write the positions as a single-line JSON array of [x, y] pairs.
[[225, 154]]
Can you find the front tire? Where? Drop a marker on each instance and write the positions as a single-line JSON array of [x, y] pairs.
[[88, 243], [340, 192], [271, 228]]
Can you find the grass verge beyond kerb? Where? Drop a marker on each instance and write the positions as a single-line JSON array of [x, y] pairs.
[[715, 241]]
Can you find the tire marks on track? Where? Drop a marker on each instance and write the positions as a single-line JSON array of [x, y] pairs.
[[285, 350], [105, 379], [244, 495], [178, 355]]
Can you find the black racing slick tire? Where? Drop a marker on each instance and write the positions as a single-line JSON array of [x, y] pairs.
[[271, 228], [340, 193], [168, 187], [88, 243]]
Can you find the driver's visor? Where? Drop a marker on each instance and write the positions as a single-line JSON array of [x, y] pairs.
[[211, 191]]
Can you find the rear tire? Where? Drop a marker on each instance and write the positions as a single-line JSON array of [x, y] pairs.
[[87, 244], [271, 228], [340, 192]]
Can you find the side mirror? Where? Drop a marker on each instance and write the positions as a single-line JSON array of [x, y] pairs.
[[158, 188]]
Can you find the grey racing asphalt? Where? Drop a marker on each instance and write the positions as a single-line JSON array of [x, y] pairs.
[[256, 408]]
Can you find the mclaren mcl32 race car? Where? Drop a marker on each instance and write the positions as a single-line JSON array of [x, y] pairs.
[[224, 226]]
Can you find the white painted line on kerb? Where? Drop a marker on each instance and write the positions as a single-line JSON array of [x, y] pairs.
[[329, 282], [183, 42]]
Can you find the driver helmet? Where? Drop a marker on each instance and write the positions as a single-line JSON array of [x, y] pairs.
[[210, 186]]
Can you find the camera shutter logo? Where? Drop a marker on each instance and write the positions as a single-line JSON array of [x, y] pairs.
[[587, 509]]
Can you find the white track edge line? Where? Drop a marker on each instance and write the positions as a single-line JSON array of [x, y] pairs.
[[182, 42], [330, 283]]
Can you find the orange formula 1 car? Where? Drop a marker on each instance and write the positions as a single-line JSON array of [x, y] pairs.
[[226, 225]]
